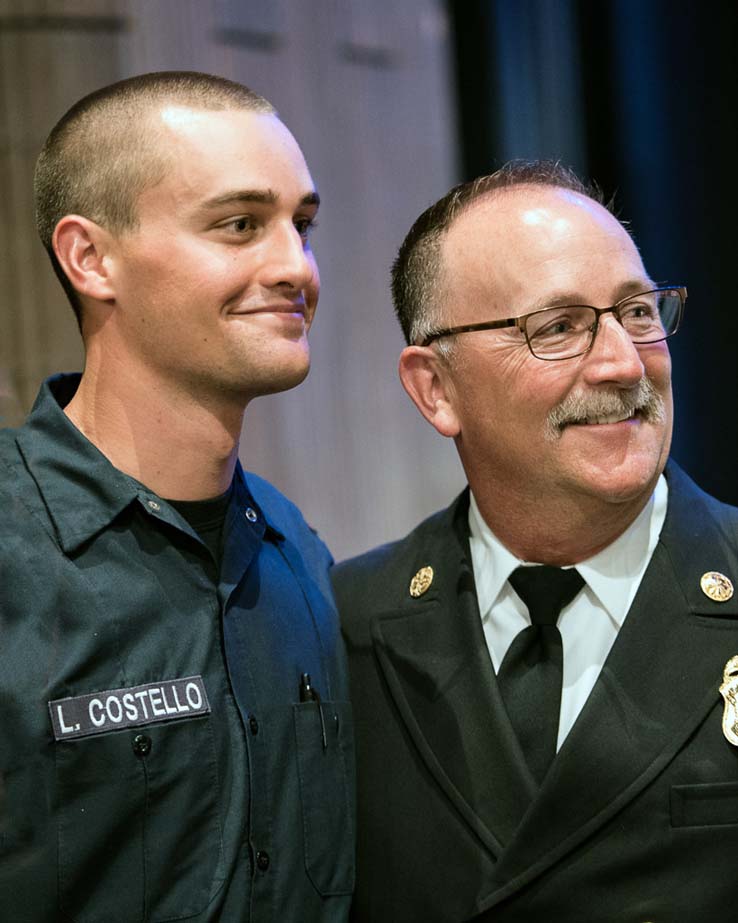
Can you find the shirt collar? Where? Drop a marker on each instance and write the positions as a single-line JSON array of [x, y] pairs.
[[83, 492], [612, 574]]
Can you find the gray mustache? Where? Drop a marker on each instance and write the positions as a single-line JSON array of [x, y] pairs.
[[576, 408]]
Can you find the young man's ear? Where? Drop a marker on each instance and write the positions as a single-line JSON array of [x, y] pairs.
[[426, 379], [80, 246]]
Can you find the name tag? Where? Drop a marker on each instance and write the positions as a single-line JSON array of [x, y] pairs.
[[115, 709]]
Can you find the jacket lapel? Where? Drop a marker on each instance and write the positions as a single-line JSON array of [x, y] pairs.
[[434, 657], [659, 683]]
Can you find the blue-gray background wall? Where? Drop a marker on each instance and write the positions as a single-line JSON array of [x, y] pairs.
[[392, 103]]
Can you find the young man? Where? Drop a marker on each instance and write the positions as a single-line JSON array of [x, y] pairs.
[[176, 742]]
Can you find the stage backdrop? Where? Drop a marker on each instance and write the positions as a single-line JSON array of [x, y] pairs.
[[366, 88], [392, 103], [641, 96]]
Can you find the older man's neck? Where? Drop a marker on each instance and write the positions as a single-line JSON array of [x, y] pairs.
[[557, 532]]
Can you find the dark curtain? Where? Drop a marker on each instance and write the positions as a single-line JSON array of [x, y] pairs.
[[640, 96]]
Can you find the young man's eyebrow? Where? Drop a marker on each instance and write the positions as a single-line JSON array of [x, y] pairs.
[[254, 197]]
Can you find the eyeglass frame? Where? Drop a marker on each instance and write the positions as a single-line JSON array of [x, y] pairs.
[[521, 322]]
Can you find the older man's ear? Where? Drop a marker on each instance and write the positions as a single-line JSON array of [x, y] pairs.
[[427, 379]]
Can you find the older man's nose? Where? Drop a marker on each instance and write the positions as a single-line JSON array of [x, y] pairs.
[[613, 358]]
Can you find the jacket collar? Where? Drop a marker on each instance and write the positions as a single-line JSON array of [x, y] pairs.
[[432, 651]]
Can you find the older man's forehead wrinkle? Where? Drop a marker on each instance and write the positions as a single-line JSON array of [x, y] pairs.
[[572, 298]]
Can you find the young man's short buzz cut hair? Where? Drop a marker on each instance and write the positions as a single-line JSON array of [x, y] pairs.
[[101, 155], [417, 271]]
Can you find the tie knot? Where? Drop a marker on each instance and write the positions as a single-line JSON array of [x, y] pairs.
[[546, 590]]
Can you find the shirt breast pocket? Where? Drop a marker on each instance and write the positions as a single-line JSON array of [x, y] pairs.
[[139, 832], [324, 736]]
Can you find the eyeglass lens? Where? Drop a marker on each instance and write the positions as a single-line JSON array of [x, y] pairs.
[[568, 331]]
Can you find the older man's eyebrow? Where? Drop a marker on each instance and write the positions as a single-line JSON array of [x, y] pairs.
[[254, 197]]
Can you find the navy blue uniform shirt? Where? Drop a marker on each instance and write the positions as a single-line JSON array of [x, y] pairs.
[[157, 758]]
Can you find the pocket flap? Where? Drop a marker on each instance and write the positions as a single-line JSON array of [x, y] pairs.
[[705, 804]]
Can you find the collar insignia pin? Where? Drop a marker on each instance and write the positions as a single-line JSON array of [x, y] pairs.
[[717, 586], [421, 581], [729, 691]]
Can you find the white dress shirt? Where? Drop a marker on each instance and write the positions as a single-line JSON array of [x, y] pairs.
[[590, 622]]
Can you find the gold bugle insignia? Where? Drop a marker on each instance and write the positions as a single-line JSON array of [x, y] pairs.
[[421, 581], [728, 690], [717, 586]]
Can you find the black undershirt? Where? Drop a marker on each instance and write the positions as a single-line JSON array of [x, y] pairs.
[[207, 518]]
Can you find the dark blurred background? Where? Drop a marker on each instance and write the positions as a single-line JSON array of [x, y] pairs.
[[394, 102], [640, 96]]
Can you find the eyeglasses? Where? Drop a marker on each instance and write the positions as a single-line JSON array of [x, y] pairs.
[[569, 331]]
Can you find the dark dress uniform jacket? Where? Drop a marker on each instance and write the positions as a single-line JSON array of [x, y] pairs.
[[156, 760], [637, 819]]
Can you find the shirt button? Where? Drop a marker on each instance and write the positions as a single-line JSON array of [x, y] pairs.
[[250, 514], [154, 505], [262, 860], [253, 725], [141, 744]]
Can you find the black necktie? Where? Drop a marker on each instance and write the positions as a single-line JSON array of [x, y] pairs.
[[531, 671]]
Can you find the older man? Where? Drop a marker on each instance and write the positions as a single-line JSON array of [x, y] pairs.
[[536, 670], [176, 742]]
